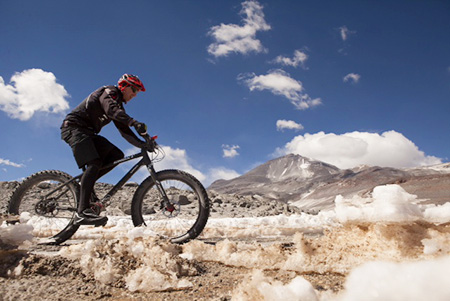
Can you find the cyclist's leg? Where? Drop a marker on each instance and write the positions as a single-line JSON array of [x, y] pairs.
[[85, 214], [87, 183], [113, 155], [108, 153], [88, 158]]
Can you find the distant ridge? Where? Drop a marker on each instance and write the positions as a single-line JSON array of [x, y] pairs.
[[311, 184]]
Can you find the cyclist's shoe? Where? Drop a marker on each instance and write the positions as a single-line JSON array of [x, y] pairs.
[[89, 217], [95, 204], [94, 198]]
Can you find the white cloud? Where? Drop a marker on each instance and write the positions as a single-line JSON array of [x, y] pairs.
[[298, 59], [288, 124], [345, 32], [9, 163], [230, 151], [352, 77], [32, 90], [221, 173], [279, 82], [240, 39], [390, 149], [175, 158]]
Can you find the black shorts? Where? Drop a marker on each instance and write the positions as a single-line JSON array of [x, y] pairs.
[[86, 145]]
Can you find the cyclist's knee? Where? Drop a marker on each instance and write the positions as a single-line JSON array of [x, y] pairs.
[[94, 164], [114, 154], [118, 154]]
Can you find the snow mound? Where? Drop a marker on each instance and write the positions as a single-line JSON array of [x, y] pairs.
[[142, 263]]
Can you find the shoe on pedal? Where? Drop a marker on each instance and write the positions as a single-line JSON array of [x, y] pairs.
[[89, 217]]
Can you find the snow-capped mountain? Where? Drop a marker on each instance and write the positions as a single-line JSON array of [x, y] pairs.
[[278, 178], [313, 185]]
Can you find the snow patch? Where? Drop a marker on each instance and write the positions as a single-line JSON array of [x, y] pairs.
[[258, 287], [422, 280]]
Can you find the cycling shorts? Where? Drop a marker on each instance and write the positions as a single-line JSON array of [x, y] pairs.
[[86, 145]]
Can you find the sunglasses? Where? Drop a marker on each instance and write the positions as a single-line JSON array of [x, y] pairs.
[[134, 89]]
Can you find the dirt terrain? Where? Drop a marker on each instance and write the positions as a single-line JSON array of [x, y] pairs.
[[39, 272], [217, 266], [57, 278]]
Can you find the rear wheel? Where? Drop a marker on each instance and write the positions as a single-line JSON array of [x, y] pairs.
[[50, 212], [187, 214]]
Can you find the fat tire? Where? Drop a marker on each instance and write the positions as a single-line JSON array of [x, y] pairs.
[[14, 204], [189, 180]]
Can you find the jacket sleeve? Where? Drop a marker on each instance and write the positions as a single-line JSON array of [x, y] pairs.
[[128, 134], [111, 105]]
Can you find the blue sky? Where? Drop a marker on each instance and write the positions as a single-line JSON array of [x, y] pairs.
[[232, 84]]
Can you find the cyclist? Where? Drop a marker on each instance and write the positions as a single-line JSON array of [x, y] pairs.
[[80, 130]]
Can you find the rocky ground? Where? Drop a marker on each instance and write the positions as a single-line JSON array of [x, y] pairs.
[[216, 271], [58, 278], [223, 205]]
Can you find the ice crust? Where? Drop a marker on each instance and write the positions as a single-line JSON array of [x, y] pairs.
[[390, 245]]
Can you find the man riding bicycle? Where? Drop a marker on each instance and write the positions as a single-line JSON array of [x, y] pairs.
[[80, 130]]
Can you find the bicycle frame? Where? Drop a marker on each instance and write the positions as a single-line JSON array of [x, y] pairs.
[[144, 161]]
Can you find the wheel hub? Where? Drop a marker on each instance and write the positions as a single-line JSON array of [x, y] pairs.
[[171, 210], [47, 208]]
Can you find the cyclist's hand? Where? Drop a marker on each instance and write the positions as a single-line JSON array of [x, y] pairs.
[[140, 127], [151, 145]]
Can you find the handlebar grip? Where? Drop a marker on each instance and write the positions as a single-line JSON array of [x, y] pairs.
[[149, 138], [150, 142]]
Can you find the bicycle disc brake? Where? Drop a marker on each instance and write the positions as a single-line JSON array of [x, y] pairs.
[[46, 207], [171, 209]]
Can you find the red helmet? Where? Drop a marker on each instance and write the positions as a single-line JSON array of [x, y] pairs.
[[130, 80]]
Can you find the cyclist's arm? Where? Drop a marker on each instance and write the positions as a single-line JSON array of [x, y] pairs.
[[128, 134], [110, 101]]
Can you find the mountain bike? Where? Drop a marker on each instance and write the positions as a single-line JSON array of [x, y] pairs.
[[172, 202]]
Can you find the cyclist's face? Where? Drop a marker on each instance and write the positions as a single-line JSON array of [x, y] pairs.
[[129, 93]]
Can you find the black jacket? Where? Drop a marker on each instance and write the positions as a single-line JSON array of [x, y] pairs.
[[100, 108]]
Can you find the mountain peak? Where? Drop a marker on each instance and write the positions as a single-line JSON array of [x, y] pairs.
[[311, 184], [298, 167], [289, 168]]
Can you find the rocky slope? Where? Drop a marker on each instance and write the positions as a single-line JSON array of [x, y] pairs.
[[222, 205], [231, 268], [313, 185], [293, 183]]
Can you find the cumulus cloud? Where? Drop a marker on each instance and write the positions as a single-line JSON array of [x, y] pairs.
[[288, 124], [353, 77], [389, 149], [279, 82], [298, 59], [221, 173], [345, 32], [230, 151], [240, 38], [9, 163], [176, 158], [32, 91]]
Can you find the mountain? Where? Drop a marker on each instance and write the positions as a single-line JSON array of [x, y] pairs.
[[313, 185], [278, 178]]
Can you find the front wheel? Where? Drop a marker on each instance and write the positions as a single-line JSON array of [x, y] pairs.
[[50, 210], [186, 214]]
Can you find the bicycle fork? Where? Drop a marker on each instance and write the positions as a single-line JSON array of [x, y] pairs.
[[166, 205]]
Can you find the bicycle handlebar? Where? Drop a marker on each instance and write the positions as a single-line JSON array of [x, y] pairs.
[[150, 141]]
